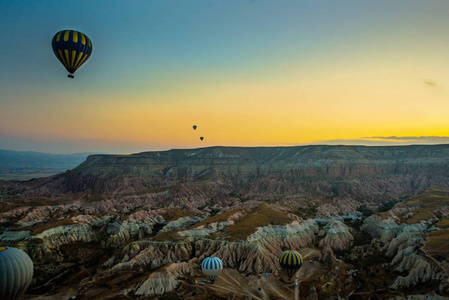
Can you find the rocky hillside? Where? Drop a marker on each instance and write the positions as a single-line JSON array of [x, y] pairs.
[[219, 173], [370, 223], [98, 251]]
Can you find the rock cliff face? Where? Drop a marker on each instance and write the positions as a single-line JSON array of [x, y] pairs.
[[383, 172], [336, 236], [159, 283], [403, 243]]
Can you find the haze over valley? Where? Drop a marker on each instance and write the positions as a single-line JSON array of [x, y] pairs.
[[22, 165]]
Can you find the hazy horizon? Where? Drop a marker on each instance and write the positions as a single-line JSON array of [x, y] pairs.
[[69, 149]]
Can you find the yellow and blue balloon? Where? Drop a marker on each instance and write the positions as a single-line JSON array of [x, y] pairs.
[[290, 261], [72, 48]]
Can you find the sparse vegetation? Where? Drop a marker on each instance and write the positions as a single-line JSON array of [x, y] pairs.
[[51, 223], [418, 216], [172, 214], [443, 223], [217, 218], [263, 215], [149, 191], [425, 204], [437, 244]]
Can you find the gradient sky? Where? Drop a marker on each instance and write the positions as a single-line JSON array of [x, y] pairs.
[[247, 73]]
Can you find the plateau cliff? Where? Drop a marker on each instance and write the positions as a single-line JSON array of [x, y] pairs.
[[192, 177]]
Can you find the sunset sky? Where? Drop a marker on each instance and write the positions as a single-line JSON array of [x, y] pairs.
[[247, 73]]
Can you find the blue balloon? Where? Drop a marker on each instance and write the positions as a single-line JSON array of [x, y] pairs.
[[212, 267], [16, 272]]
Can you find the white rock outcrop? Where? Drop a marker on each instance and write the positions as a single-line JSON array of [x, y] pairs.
[[57, 236], [337, 236], [304, 230], [161, 282]]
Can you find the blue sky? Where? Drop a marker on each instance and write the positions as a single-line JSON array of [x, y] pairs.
[[318, 70]]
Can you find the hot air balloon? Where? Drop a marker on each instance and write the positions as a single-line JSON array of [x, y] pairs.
[[16, 272], [201, 138], [290, 261], [212, 267], [194, 127], [72, 48]]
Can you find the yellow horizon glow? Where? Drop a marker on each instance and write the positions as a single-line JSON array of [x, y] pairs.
[[328, 101]]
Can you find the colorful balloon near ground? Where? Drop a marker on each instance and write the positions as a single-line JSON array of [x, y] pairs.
[[72, 48], [212, 267], [290, 261], [16, 272]]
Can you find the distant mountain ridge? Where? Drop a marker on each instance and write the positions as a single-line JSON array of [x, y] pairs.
[[28, 164], [305, 161], [383, 172]]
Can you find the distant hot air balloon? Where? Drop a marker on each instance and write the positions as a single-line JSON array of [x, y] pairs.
[[72, 48], [290, 261], [201, 138], [194, 127], [212, 267], [16, 272]]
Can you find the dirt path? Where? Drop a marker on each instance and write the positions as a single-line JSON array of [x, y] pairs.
[[296, 290], [433, 259], [231, 280], [262, 287]]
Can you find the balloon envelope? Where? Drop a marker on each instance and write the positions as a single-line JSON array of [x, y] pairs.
[[72, 48], [201, 138], [212, 267], [16, 272], [290, 261], [194, 127]]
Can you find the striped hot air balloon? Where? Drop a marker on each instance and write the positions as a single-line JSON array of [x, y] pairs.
[[16, 272], [212, 267], [72, 48], [290, 261]]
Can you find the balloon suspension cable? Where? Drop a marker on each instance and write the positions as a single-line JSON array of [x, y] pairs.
[[70, 76]]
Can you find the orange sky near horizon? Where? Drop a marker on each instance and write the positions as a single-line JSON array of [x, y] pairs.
[[348, 104]]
